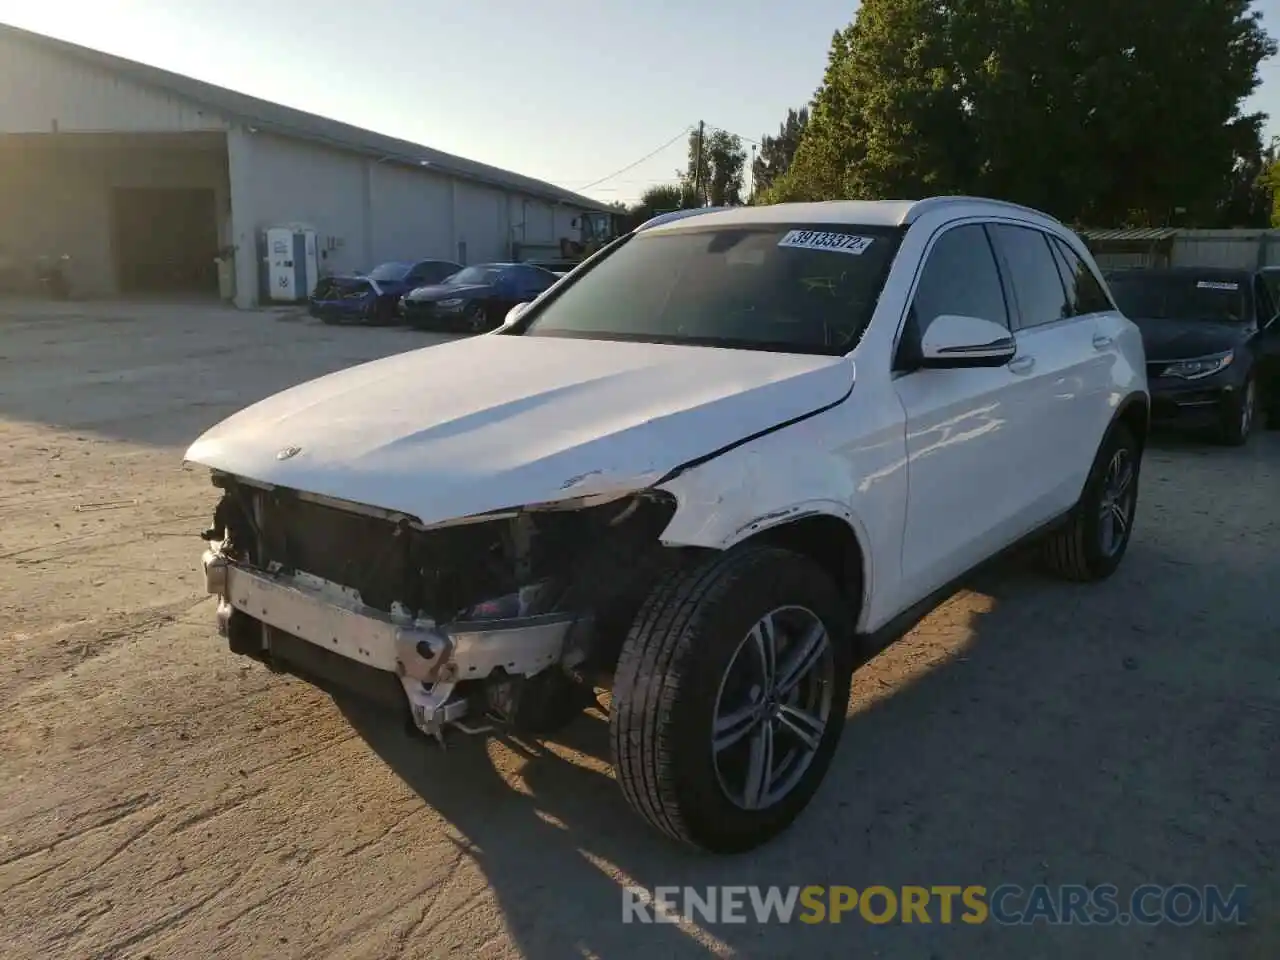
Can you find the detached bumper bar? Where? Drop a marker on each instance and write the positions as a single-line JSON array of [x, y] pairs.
[[429, 659]]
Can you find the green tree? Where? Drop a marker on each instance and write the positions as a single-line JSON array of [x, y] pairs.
[[776, 153], [1249, 191], [1059, 104], [1270, 181], [660, 198], [717, 180]]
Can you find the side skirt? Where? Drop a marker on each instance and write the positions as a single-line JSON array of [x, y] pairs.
[[867, 645]]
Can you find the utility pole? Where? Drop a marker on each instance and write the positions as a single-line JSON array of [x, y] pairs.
[[697, 167], [751, 197]]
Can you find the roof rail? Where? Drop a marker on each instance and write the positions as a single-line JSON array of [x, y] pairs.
[[929, 203], [672, 215]]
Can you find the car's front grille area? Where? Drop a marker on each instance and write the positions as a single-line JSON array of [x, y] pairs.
[[438, 571], [1155, 370], [419, 310], [365, 553]]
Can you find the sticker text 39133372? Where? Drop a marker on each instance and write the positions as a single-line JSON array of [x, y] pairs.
[[822, 240]]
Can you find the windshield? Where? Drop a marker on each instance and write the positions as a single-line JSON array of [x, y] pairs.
[[1180, 296], [788, 288], [389, 271], [479, 274]]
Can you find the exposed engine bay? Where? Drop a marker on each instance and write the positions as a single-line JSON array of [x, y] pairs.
[[513, 617]]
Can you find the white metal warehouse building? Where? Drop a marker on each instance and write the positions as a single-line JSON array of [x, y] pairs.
[[144, 177]]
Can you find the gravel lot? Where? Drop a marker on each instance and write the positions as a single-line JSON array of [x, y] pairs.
[[160, 797]]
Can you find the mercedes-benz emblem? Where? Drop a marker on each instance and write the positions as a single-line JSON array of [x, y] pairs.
[[288, 452]]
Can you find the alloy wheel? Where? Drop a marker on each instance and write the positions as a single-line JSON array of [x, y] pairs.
[[1119, 496], [773, 707]]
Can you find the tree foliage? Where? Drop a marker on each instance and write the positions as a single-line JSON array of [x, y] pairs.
[[776, 153], [1093, 112], [717, 180], [1248, 195], [661, 198]]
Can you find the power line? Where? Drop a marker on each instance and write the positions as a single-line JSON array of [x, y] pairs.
[[647, 156], [738, 135]]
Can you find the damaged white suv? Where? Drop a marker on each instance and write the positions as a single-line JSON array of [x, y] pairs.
[[712, 470]]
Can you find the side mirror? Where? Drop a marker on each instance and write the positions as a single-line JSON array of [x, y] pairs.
[[955, 341], [514, 314]]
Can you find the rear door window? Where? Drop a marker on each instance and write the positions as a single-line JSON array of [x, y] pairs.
[[1085, 293], [1034, 274]]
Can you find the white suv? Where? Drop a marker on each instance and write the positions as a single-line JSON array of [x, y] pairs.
[[713, 469]]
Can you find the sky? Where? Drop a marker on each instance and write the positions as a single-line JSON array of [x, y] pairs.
[[569, 92]]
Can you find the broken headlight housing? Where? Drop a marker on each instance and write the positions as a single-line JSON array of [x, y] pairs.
[[530, 600]]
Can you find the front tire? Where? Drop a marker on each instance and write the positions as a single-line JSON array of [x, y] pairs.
[[730, 696], [1094, 540], [475, 319], [1240, 416]]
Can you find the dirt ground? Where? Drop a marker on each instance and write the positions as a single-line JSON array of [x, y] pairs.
[[162, 798]]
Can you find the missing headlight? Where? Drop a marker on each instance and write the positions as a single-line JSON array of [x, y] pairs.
[[528, 601]]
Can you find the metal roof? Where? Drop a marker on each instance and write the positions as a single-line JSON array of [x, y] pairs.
[[1205, 273], [1131, 233], [298, 124]]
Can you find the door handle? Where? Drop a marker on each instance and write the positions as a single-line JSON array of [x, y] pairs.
[[1101, 341], [1022, 364]]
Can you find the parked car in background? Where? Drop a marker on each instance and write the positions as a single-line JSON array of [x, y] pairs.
[[374, 297], [717, 467], [1271, 278], [1212, 344], [476, 298]]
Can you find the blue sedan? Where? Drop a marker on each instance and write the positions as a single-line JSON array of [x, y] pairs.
[[374, 297], [477, 298]]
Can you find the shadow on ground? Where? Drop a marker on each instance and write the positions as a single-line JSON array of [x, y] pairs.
[[1074, 739]]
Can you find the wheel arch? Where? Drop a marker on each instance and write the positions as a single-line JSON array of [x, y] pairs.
[[1134, 411], [833, 542]]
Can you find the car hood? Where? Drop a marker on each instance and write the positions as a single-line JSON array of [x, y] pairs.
[[498, 421], [444, 292], [343, 285], [1187, 339]]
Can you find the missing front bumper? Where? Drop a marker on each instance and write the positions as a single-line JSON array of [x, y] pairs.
[[430, 660]]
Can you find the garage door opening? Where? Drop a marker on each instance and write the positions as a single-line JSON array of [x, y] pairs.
[[165, 241]]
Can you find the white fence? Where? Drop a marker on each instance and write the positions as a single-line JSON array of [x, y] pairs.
[[1246, 249], [1237, 249]]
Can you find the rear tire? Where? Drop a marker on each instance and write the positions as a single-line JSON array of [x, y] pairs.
[[696, 710], [1095, 538]]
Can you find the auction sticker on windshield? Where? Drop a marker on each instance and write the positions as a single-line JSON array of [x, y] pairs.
[[821, 240]]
